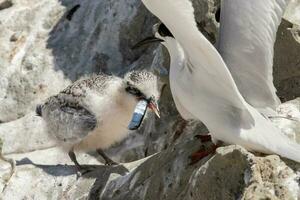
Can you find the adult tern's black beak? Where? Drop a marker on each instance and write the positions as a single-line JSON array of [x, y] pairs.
[[154, 107], [147, 40]]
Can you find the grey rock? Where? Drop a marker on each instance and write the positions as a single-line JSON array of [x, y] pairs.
[[39, 177], [286, 68], [25, 135], [46, 45], [291, 14], [233, 173], [26, 65]]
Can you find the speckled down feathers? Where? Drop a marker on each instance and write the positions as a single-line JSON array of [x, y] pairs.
[[138, 77], [144, 81], [98, 82], [66, 115], [94, 112]]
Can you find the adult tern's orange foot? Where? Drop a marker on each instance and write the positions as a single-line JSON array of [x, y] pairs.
[[204, 138], [199, 155]]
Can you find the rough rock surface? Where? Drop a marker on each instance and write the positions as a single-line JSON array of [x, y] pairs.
[[47, 44]]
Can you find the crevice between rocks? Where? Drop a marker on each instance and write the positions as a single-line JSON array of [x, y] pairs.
[[30, 151], [71, 12], [5, 4]]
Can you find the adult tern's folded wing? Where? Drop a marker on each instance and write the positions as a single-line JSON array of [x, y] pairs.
[[247, 35], [178, 16]]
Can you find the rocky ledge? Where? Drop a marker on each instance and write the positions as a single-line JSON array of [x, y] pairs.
[[231, 173], [47, 44]]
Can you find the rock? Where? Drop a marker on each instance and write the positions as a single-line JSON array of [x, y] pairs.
[[292, 12], [26, 65], [25, 135], [293, 16], [286, 68], [38, 176], [289, 119], [232, 173], [45, 45]]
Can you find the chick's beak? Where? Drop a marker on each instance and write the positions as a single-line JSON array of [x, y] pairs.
[[154, 107], [147, 40]]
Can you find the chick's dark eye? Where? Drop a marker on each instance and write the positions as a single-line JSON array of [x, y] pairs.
[[134, 91]]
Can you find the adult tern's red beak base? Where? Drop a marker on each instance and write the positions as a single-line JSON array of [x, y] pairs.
[[154, 107]]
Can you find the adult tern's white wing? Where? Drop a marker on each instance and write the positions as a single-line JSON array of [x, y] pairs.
[[185, 114], [178, 16], [247, 35], [207, 90]]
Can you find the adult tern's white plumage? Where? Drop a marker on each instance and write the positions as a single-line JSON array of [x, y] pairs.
[[204, 88], [246, 40]]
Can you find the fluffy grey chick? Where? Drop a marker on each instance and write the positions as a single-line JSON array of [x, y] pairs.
[[94, 113]]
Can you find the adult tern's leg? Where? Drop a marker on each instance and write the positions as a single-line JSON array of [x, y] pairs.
[[180, 126], [204, 138], [198, 155]]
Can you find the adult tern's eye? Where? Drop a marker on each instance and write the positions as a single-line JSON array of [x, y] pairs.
[[164, 31]]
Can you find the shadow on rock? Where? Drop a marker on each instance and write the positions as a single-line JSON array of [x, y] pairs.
[[97, 36], [98, 171]]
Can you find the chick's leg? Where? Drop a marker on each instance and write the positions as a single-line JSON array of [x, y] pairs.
[[74, 160], [108, 161], [81, 169]]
